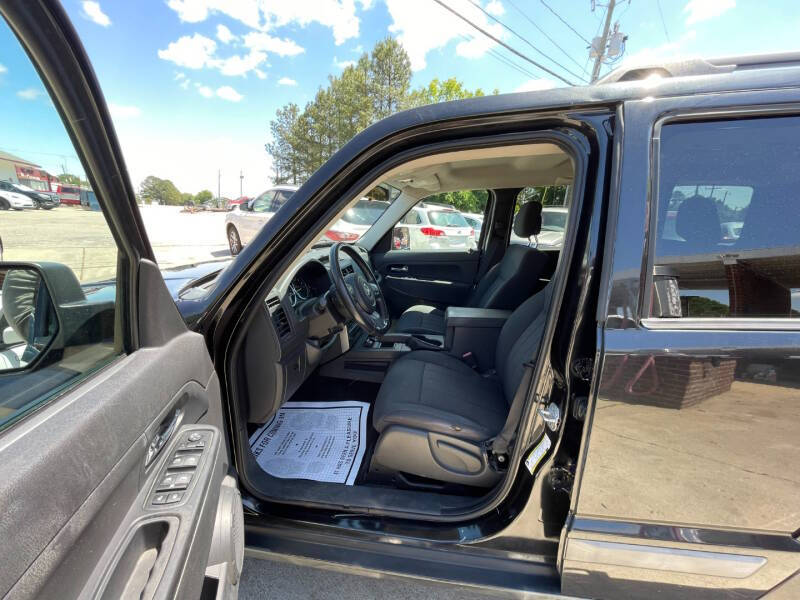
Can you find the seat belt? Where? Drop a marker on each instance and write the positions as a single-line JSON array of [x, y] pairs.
[[499, 445]]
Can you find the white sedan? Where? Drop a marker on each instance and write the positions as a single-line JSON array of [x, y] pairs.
[[14, 200], [246, 220]]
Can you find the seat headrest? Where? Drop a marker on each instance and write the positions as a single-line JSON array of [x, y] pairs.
[[698, 221], [528, 221]]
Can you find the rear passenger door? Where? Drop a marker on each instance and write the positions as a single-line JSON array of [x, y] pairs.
[[434, 254], [689, 482], [114, 468]]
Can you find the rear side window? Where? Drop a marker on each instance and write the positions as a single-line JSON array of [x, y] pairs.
[[447, 218], [728, 220]]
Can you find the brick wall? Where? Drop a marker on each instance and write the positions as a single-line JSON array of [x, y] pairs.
[[666, 381]]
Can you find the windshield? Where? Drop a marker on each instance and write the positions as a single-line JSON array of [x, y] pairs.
[[23, 188], [554, 220], [447, 218]]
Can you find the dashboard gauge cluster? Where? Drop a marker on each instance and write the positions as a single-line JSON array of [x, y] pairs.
[[299, 291]]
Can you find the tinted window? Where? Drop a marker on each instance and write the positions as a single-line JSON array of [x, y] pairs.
[[554, 221], [263, 202], [728, 220], [365, 212], [447, 218]]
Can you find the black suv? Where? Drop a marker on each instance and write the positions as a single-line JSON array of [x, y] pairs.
[[613, 417]]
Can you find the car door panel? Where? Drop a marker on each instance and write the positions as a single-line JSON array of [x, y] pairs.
[[78, 473], [75, 475], [440, 278], [686, 486]]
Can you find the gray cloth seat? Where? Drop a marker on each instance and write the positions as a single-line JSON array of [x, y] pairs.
[[437, 392], [505, 286]]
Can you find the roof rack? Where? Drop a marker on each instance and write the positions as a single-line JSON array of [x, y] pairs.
[[700, 66]]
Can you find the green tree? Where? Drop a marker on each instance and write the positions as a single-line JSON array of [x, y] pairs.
[[71, 179], [471, 201], [389, 78], [203, 196], [163, 191], [376, 86], [440, 91]]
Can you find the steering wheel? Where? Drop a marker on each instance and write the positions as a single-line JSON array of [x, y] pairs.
[[359, 291]]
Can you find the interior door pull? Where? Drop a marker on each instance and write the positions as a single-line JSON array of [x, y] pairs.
[[399, 269], [165, 431]]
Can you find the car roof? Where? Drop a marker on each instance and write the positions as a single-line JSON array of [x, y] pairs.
[[284, 188]]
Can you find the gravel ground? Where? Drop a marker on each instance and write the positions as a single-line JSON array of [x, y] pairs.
[[81, 239]]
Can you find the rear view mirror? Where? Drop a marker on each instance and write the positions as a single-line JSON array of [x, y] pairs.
[[28, 320]]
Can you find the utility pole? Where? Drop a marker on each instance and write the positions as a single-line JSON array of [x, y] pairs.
[[241, 180], [599, 44]]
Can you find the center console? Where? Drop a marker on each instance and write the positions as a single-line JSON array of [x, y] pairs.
[[475, 331]]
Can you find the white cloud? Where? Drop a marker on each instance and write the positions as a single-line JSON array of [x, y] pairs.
[[29, 94], [266, 43], [198, 51], [239, 65], [93, 12], [496, 8], [338, 15], [286, 81], [533, 85], [342, 64], [184, 84], [192, 52], [358, 49], [205, 91], [3, 69], [703, 10], [226, 92], [121, 111], [224, 34], [419, 35]]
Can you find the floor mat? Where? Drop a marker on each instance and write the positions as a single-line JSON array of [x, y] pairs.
[[321, 441]]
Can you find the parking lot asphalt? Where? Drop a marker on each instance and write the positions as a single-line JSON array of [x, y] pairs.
[[82, 240], [267, 579]]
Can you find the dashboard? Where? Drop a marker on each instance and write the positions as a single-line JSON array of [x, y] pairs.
[[299, 329]]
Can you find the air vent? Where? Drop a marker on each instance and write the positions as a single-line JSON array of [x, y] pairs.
[[281, 322], [278, 316], [347, 270]]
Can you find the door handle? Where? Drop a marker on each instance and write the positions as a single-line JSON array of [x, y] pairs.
[[165, 431], [401, 269]]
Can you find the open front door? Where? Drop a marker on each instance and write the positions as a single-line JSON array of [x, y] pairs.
[[113, 460]]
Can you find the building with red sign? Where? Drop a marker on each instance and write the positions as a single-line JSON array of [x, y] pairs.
[[19, 170]]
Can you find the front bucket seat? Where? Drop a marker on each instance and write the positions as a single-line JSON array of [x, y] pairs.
[[434, 413], [505, 286]]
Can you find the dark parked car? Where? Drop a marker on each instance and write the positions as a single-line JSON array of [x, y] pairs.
[[41, 198], [616, 417]]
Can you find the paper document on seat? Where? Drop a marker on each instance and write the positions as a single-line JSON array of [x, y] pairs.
[[322, 441]]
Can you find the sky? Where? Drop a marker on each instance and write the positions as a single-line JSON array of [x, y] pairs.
[[192, 84]]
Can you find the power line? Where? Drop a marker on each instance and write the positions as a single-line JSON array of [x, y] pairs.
[[544, 33], [503, 59], [564, 22], [478, 6], [658, 3], [502, 43]]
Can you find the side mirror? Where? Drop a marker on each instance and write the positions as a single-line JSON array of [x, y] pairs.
[[28, 319], [44, 310]]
